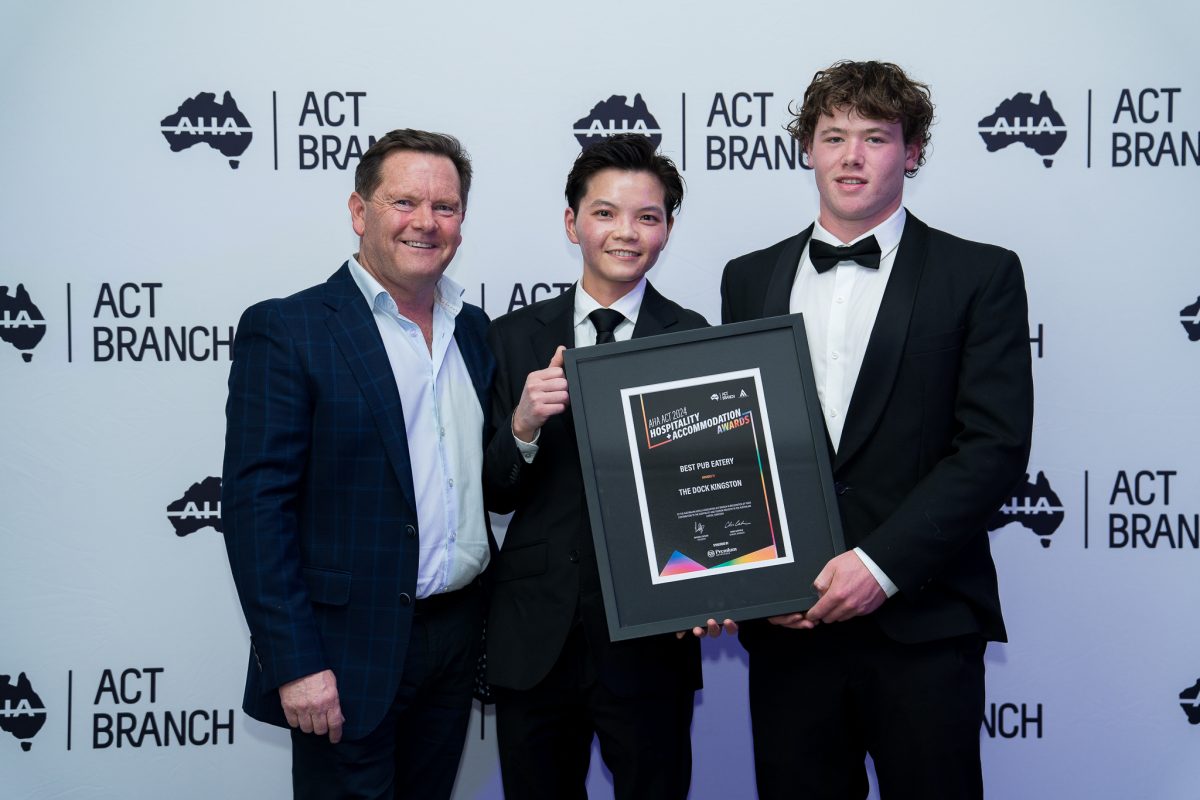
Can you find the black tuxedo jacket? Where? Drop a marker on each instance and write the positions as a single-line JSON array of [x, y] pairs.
[[545, 577], [938, 427]]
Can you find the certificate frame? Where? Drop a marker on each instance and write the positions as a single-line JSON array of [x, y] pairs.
[[706, 472]]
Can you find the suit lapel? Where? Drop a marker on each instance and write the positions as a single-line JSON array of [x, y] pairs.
[[779, 288], [353, 327], [557, 318], [477, 359], [881, 361], [655, 315]]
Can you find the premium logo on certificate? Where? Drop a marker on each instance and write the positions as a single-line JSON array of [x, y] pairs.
[[705, 475]]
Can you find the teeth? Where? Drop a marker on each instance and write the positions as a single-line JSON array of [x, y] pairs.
[[420, 245], [623, 253], [854, 181]]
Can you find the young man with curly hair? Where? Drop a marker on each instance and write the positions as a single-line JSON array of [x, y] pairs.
[[920, 347]]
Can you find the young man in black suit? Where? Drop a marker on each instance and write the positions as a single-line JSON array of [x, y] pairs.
[[558, 679], [920, 347]]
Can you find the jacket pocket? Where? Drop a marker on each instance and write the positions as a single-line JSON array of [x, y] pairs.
[[950, 340], [521, 562], [328, 586]]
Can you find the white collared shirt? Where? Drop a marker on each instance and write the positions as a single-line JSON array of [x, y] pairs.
[[629, 305], [839, 308], [444, 424]]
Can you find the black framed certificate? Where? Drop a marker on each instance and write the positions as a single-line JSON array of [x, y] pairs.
[[707, 474]]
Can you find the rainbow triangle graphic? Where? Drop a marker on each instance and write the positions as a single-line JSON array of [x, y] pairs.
[[679, 564]]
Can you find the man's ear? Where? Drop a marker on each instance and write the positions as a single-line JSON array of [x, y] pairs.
[[912, 154], [358, 209], [569, 223]]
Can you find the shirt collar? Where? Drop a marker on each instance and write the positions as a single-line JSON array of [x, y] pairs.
[[886, 233], [629, 304], [447, 295]]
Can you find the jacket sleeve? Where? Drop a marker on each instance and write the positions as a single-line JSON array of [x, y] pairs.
[[992, 428], [268, 430]]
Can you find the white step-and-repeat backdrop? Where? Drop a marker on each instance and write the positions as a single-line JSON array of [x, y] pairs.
[[167, 164]]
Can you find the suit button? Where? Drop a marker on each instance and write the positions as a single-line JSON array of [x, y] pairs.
[[405, 599], [410, 531], [841, 488], [574, 556]]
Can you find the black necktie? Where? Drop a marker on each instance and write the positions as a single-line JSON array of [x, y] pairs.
[[825, 256], [605, 321]]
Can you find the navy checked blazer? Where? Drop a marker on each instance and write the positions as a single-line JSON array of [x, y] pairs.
[[317, 496]]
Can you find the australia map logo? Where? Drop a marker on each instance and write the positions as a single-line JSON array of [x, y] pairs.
[[22, 712], [1189, 318], [1019, 120], [1033, 505], [202, 120], [200, 507], [1189, 701], [22, 324], [614, 115]]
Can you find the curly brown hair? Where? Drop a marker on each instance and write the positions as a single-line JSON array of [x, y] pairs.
[[873, 90]]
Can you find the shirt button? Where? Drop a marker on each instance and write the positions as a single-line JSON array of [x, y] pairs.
[[833, 412], [840, 300], [441, 431], [452, 482], [834, 355]]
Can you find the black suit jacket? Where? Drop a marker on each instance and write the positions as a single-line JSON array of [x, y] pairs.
[[545, 577], [317, 496], [938, 427]]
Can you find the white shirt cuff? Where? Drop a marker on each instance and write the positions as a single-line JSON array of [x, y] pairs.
[[880, 576], [528, 449]]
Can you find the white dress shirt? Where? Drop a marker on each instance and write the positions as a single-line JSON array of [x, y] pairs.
[[839, 308], [444, 424]]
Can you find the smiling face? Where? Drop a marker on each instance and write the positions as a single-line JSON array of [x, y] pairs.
[[410, 226], [859, 166], [621, 227]]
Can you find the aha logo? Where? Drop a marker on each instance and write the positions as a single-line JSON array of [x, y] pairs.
[[202, 120], [1189, 318], [613, 116], [21, 322], [1190, 703], [1019, 120], [22, 712], [1033, 505], [200, 507]]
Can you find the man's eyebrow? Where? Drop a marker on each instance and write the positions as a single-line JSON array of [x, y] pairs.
[[600, 202], [836, 129]]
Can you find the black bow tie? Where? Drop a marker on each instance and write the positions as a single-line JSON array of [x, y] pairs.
[[825, 256]]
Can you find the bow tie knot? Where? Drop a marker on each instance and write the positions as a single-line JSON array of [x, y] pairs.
[[825, 256]]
